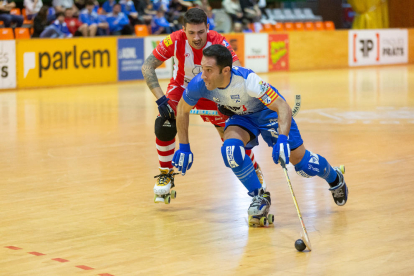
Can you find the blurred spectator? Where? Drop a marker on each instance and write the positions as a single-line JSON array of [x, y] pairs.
[[250, 10], [62, 5], [108, 6], [58, 29], [161, 4], [128, 8], [160, 25], [237, 27], [32, 8], [203, 4], [8, 18], [177, 8], [118, 22], [40, 22], [76, 28], [90, 18], [144, 14], [210, 20], [233, 8]]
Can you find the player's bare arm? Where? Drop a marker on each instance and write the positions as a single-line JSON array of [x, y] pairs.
[[148, 70], [183, 120], [284, 113]]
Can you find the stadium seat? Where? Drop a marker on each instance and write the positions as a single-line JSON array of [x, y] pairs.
[[289, 26], [1, 23], [31, 31], [6, 34], [309, 26], [299, 26], [22, 33], [15, 11], [279, 27], [100, 10], [329, 26], [319, 26], [267, 28], [141, 30]]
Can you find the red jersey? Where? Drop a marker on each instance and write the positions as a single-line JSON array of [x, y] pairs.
[[73, 24], [187, 60]]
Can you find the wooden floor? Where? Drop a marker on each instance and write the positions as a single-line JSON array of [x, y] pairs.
[[76, 180]]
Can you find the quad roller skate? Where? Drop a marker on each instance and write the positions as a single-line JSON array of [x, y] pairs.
[[340, 191], [259, 209], [163, 185]]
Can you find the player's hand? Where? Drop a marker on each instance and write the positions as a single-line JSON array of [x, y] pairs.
[[183, 158], [164, 108], [281, 149]]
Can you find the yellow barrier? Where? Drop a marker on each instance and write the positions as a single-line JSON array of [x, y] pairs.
[[46, 62]]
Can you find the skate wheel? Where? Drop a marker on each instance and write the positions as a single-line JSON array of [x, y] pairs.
[[155, 198], [253, 221], [263, 221], [342, 168], [167, 199], [270, 218], [173, 194]]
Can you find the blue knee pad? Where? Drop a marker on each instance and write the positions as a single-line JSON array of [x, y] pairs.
[[313, 164], [233, 153]]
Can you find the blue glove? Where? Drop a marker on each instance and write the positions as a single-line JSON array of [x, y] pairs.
[[281, 149], [183, 158], [164, 108]]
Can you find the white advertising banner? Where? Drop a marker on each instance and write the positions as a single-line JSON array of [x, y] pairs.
[[7, 64], [256, 52], [376, 47], [165, 70]]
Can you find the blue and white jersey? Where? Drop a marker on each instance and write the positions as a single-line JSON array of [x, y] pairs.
[[246, 93]]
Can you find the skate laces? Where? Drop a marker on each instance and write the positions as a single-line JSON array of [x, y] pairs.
[[164, 178]]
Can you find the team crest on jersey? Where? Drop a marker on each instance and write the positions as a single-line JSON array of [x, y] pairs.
[[263, 87], [167, 41], [225, 43], [235, 98], [266, 99], [196, 69]]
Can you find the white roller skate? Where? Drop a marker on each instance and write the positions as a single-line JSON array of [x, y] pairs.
[[163, 185], [259, 209], [340, 191]]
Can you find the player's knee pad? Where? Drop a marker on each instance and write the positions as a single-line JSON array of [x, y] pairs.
[[233, 153], [311, 165], [165, 130]]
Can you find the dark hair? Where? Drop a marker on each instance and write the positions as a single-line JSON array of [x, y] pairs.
[[195, 16], [59, 14], [42, 14], [90, 3], [221, 54]]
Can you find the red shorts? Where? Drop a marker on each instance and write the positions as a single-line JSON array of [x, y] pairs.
[[175, 92]]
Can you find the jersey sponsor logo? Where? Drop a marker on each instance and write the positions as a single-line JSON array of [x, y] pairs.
[[266, 99], [263, 87], [167, 41], [216, 99], [235, 98], [314, 159], [225, 43], [187, 55]]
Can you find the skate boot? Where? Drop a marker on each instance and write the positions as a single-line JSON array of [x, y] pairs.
[[259, 209], [165, 182], [340, 191], [260, 176]]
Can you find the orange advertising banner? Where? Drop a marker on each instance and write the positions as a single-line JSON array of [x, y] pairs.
[[278, 52], [237, 43]]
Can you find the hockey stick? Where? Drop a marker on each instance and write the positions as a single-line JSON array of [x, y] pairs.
[[295, 110], [304, 234]]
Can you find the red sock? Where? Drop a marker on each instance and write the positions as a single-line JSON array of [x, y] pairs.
[[165, 152], [250, 153]]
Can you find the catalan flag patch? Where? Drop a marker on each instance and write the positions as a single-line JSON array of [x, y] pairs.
[[167, 41], [269, 97]]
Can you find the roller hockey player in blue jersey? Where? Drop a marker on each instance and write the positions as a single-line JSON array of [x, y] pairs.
[[259, 108]]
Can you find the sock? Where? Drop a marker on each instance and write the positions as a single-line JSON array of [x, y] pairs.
[[165, 152], [313, 164], [249, 152]]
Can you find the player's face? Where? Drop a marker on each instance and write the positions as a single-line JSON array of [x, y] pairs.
[[211, 73], [196, 34]]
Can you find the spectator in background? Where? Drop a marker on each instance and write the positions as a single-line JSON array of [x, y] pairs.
[[118, 22], [237, 28], [177, 9], [252, 12], [57, 29], [128, 8], [8, 18], [144, 14], [161, 4], [40, 22], [62, 5], [90, 18], [210, 20], [160, 25], [233, 8], [107, 6], [32, 8], [76, 28]]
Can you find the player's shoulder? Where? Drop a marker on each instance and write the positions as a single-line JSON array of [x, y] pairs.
[[241, 71], [214, 37], [175, 36], [196, 84]]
